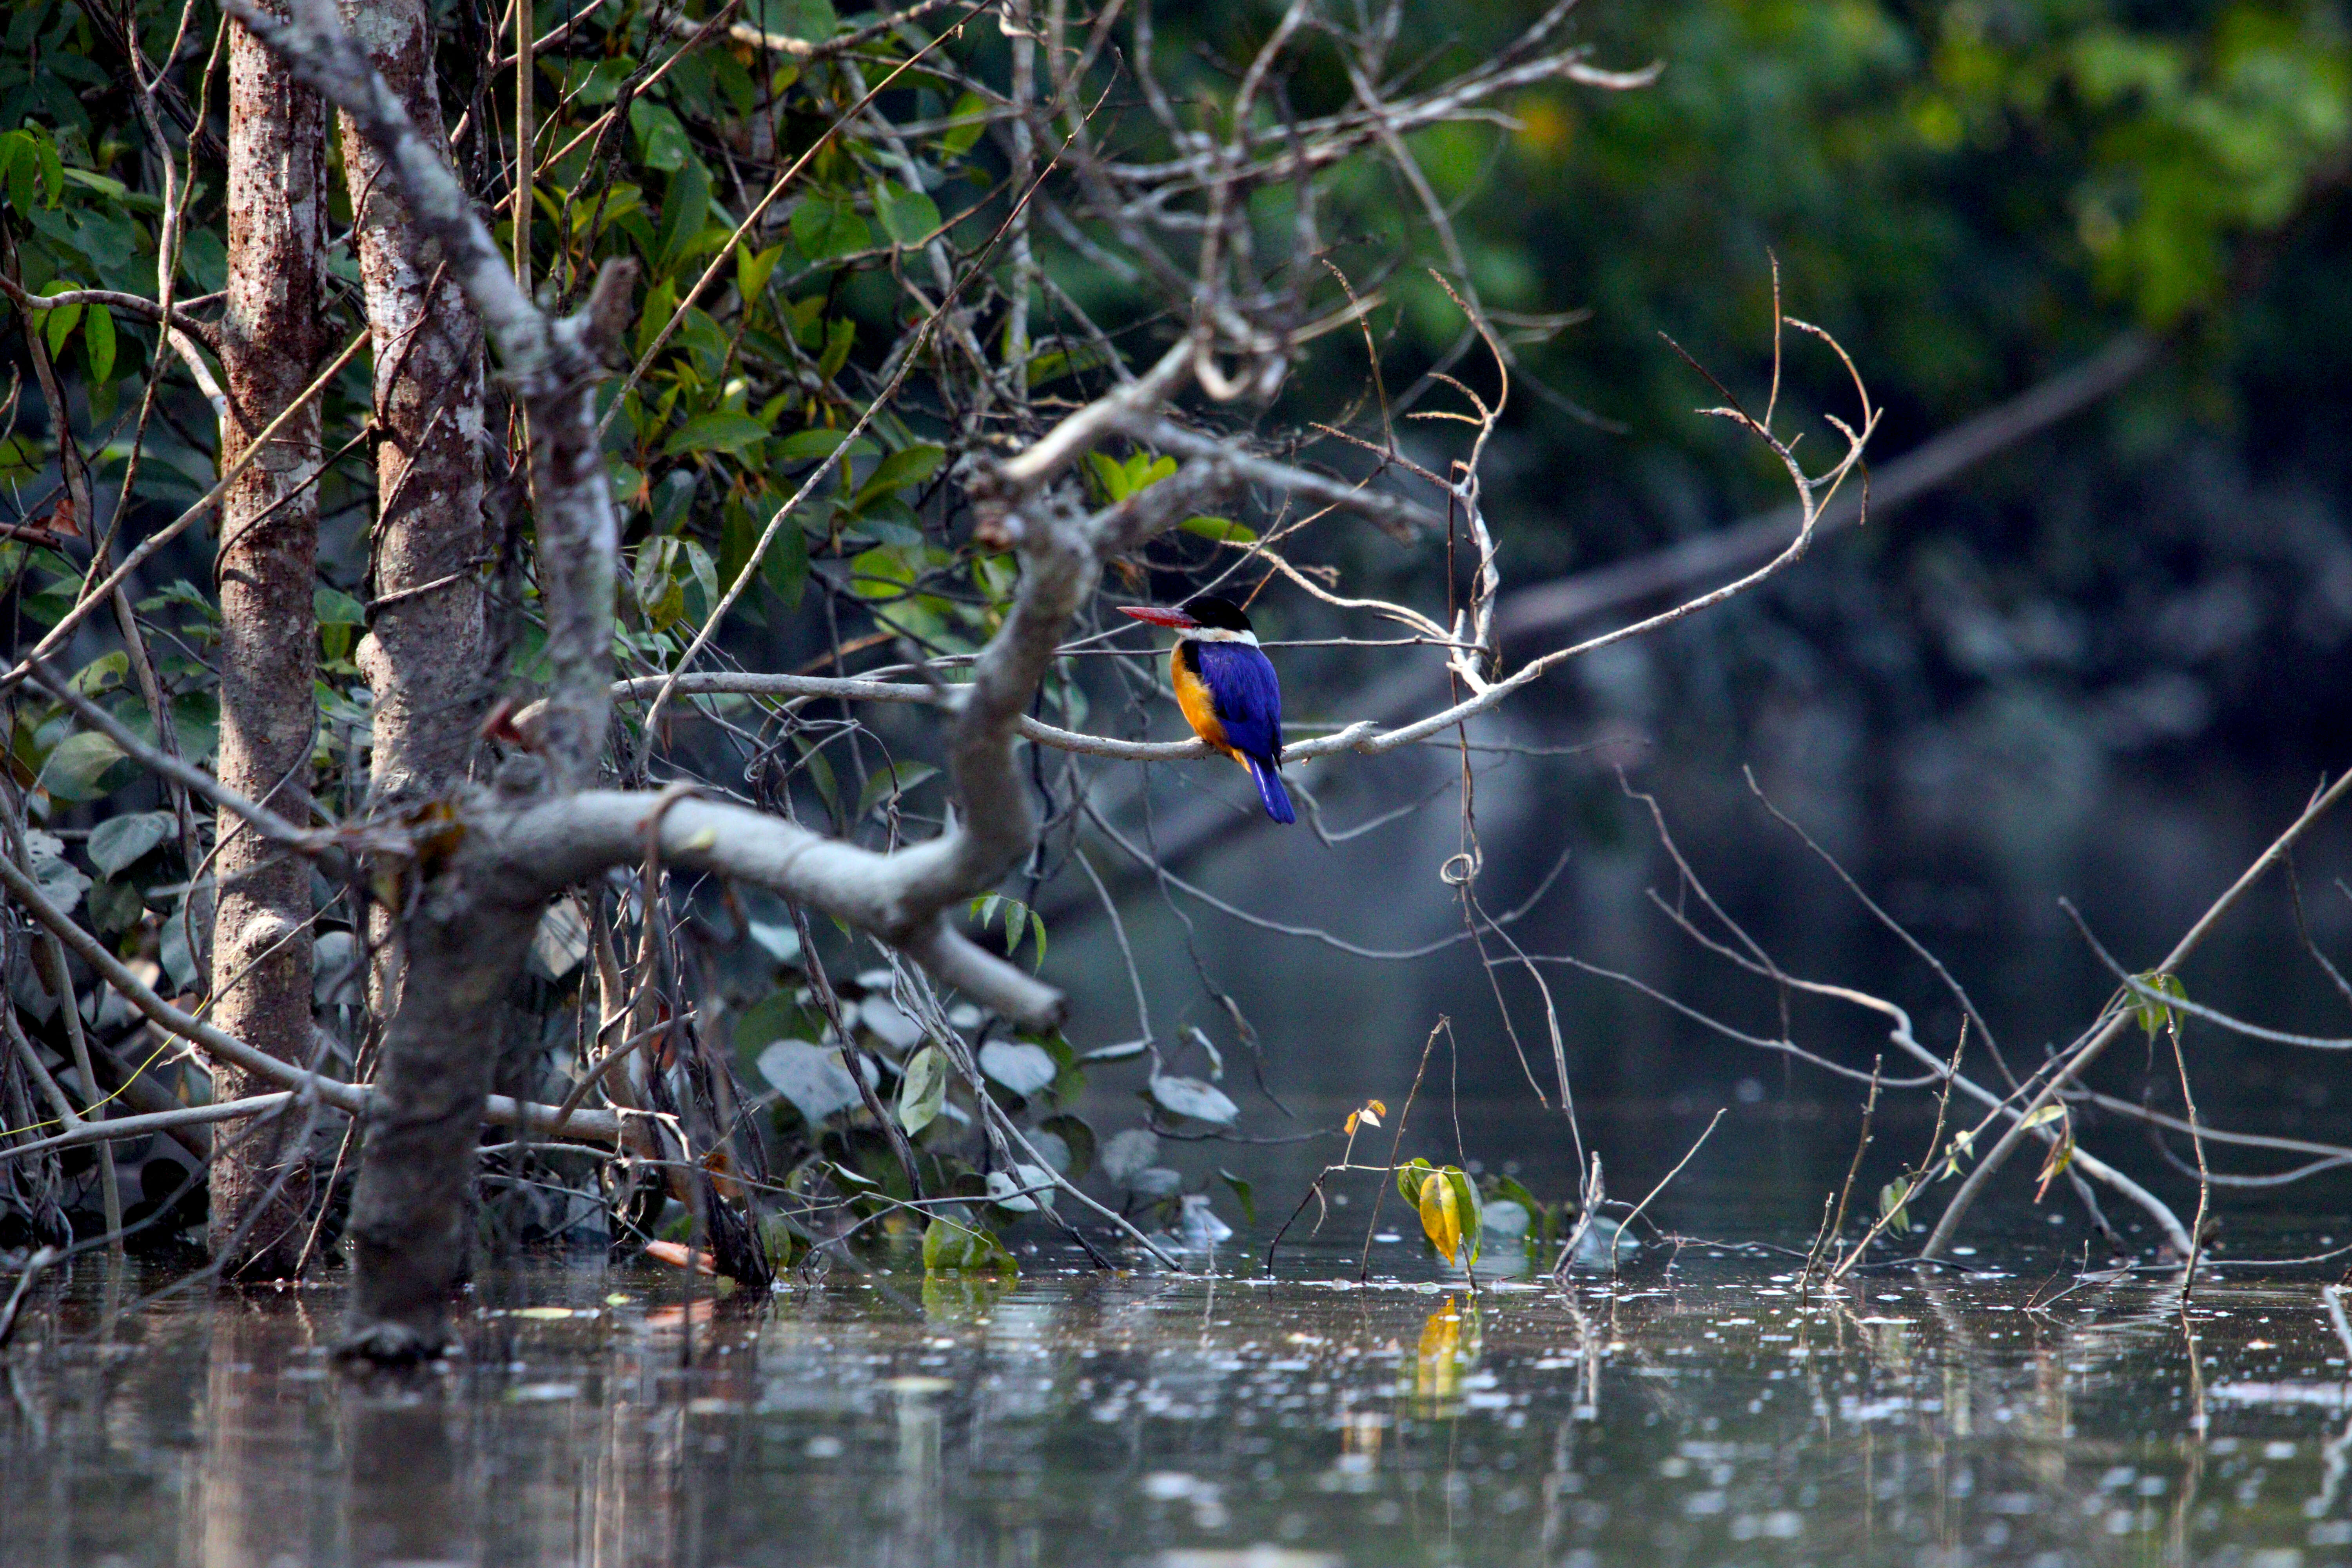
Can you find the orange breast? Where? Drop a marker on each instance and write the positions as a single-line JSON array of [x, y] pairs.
[[1193, 696]]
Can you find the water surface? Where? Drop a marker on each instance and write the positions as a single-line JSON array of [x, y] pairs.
[[1699, 1409]]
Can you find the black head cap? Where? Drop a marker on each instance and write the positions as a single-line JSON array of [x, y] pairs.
[[1217, 611]]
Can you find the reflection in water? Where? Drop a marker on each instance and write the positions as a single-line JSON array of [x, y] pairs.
[[1449, 1351], [255, 1492], [919, 1509], [408, 1501], [1706, 1414]]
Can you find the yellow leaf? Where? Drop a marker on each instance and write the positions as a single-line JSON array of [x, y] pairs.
[[1441, 1336], [1441, 1217], [1352, 1118]]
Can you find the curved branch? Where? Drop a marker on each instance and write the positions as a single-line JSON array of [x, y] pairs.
[[902, 897], [2148, 996], [186, 1116], [585, 1126], [136, 305], [2113, 1030]]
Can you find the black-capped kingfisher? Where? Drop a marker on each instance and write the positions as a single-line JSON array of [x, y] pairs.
[[1227, 688]]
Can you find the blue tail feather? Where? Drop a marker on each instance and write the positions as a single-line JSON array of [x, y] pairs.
[[1270, 791]]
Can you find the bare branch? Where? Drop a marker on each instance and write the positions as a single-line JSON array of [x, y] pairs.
[[2089, 1051]]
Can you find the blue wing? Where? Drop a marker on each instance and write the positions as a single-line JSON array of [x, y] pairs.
[[1247, 695]]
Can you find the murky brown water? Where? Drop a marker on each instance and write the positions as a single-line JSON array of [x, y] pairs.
[[1697, 1414]]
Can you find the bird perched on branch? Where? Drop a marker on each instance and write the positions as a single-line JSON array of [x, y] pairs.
[[1227, 688]]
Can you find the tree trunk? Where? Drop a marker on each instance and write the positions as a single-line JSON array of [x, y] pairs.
[[271, 341], [465, 940], [423, 655]]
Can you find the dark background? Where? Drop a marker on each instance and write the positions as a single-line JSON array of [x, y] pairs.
[[2103, 664]]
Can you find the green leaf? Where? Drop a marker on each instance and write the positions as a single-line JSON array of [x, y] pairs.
[[722, 431], [115, 907], [820, 774], [60, 879], [739, 535], [953, 1246], [838, 338], [890, 780], [1410, 1176], [908, 217], [2156, 1015], [1023, 1069], [803, 445], [114, 191], [117, 842], [908, 466], [1472, 1213], [1223, 530], [24, 172], [1892, 1199], [660, 596], [53, 169], [1196, 1101], [1242, 1190], [684, 206], [338, 616], [967, 120], [923, 1089], [334, 607], [1513, 1190], [98, 342], [49, 604], [752, 271], [785, 567], [102, 674], [1109, 475], [661, 139], [705, 573], [671, 499], [811, 20], [881, 572], [1144, 470], [196, 716], [86, 766], [62, 321], [775, 1016], [827, 229], [661, 303], [595, 83], [1060, 363]]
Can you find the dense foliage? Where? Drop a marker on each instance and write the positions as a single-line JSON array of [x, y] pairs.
[[855, 281]]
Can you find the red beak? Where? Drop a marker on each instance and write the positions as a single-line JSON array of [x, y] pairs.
[[1175, 619]]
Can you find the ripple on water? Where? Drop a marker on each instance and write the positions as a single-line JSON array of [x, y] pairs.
[[1711, 1415]]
